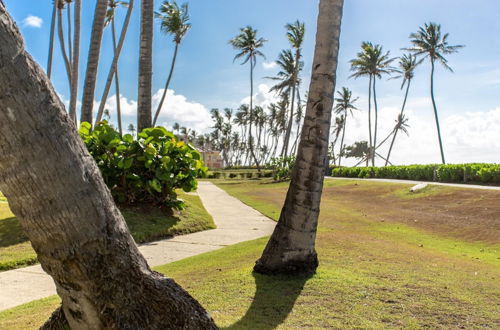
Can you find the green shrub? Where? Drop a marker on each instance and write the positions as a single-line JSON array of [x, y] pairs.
[[282, 167], [144, 170]]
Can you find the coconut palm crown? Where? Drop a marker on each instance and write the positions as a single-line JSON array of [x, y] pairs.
[[248, 44], [174, 19]]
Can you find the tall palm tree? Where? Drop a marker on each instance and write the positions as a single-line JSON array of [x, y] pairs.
[[295, 34], [344, 105], [144, 119], [51, 38], [176, 127], [248, 45], [61, 4], [174, 21], [75, 63], [407, 65], [371, 62], [131, 129], [68, 17], [93, 61], [429, 42], [291, 248], [113, 71]]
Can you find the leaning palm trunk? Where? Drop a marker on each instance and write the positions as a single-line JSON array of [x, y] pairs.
[[67, 64], [376, 120], [370, 145], [158, 110], [114, 64], [250, 137], [51, 40], [291, 248], [93, 61], [401, 113], [65, 209], [145, 66], [436, 113], [75, 61], [117, 80], [70, 47], [342, 139]]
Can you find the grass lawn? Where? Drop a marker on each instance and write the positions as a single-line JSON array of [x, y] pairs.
[[145, 226], [378, 267]]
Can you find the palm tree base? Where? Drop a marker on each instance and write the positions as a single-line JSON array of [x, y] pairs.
[[286, 266]]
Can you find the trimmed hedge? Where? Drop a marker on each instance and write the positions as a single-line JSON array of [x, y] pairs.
[[453, 173], [241, 174]]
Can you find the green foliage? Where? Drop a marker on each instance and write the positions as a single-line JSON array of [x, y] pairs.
[[457, 173], [282, 167], [144, 170]]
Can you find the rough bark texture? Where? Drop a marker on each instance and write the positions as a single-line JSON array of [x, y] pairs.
[[144, 116], [93, 61], [114, 64], [56, 191], [291, 248]]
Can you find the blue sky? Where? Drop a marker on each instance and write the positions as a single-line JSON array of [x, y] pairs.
[[205, 77]]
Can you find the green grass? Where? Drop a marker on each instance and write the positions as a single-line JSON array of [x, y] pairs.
[[372, 275], [145, 226]]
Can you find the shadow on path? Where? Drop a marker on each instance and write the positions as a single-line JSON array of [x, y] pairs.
[[274, 299]]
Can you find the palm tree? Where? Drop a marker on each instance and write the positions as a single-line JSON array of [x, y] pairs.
[[113, 71], [68, 16], [60, 7], [75, 63], [371, 62], [401, 125], [176, 127], [429, 42], [93, 61], [51, 38], [131, 129], [407, 65], [174, 21], [338, 128], [144, 119], [291, 248], [295, 34], [248, 45], [344, 105]]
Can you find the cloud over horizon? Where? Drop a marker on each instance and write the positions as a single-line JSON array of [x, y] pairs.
[[33, 21]]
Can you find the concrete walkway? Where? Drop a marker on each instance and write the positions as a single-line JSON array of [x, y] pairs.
[[456, 185], [236, 222]]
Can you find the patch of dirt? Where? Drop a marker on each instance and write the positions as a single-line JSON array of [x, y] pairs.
[[469, 214]]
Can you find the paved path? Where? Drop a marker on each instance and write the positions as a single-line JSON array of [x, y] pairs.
[[236, 222], [457, 185]]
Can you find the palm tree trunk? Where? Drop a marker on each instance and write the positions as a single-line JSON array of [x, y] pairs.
[[70, 47], [296, 142], [342, 139], [291, 248], [93, 61], [436, 113], [145, 66], [250, 138], [376, 120], [63, 46], [68, 214], [284, 153], [370, 113], [117, 79], [51, 41], [114, 64], [76, 61], [401, 113], [158, 110]]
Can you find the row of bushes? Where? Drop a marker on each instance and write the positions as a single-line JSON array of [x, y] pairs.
[[455, 173], [145, 170], [241, 174]]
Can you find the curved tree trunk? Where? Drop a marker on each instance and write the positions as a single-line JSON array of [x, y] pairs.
[[51, 39], [436, 113], [250, 137], [56, 191], [63, 46], [158, 110], [70, 47], [376, 120], [291, 248], [76, 61], [93, 61], [145, 66], [114, 64], [117, 78], [342, 139], [401, 113], [370, 115]]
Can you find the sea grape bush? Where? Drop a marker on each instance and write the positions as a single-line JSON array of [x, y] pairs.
[[282, 167], [458, 173], [145, 170]]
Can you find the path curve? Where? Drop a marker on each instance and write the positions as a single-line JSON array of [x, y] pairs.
[[456, 185], [236, 222]]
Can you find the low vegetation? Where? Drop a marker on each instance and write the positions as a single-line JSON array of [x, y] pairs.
[[385, 262], [145, 225], [454, 173]]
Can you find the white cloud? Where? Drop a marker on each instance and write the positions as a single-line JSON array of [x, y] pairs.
[[264, 97], [33, 21], [269, 65]]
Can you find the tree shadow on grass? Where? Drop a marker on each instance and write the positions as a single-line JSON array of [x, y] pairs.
[[11, 232], [274, 299]]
